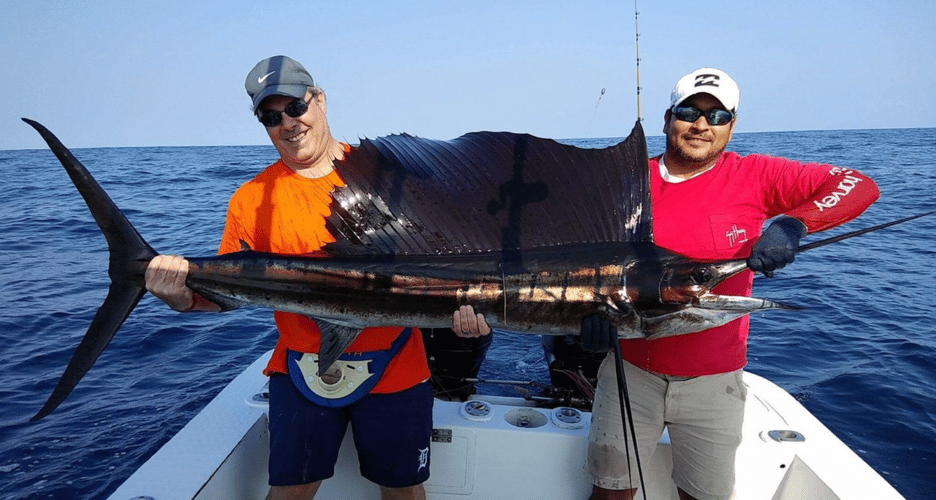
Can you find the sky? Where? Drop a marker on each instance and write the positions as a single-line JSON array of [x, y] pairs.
[[171, 73]]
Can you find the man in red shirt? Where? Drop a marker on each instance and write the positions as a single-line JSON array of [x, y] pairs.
[[710, 204]]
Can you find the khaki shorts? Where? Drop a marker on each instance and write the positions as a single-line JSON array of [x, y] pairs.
[[703, 415]]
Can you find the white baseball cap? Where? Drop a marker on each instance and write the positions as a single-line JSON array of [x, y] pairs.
[[708, 81]]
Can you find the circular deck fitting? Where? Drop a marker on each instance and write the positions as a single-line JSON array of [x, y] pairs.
[[476, 411], [567, 418], [525, 418], [786, 436]]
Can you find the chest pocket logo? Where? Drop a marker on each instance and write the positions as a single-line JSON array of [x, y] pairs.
[[734, 233]]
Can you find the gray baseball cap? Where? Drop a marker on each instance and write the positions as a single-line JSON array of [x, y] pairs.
[[277, 75]]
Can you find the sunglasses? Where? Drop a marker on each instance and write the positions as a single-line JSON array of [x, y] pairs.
[[294, 109], [712, 116]]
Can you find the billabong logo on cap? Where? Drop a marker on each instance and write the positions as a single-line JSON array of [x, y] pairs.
[[707, 80], [264, 77]]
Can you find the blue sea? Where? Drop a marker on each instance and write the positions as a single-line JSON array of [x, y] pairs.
[[861, 356]]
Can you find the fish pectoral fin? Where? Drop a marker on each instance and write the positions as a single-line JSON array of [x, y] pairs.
[[335, 339], [613, 307], [225, 303]]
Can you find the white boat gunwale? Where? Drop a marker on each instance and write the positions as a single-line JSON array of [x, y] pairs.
[[222, 453]]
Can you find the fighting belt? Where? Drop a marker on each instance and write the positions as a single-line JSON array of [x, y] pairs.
[[349, 379]]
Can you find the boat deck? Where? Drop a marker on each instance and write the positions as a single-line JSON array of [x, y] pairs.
[[496, 448]]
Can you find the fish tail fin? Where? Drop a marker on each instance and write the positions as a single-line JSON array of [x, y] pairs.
[[129, 256], [120, 301]]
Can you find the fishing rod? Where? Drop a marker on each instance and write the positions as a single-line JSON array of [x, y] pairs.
[[531, 383], [637, 45], [551, 395]]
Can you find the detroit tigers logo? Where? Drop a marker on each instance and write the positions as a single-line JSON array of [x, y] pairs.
[[423, 458], [706, 80]]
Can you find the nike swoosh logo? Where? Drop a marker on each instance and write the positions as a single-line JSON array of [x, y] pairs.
[[264, 77]]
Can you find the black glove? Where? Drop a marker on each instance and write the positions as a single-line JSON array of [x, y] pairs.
[[597, 334], [777, 246]]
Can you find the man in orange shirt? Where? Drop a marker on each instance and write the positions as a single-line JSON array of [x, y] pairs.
[[283, 210]]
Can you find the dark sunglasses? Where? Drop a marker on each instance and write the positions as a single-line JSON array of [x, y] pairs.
[[294, 109], [712, 116]]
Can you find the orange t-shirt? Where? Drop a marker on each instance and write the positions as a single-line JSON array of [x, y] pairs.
[[282, 212]]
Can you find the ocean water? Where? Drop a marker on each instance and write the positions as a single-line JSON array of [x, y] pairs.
[[861, 356]]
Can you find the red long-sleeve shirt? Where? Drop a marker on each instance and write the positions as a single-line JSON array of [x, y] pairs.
[[719, 215]]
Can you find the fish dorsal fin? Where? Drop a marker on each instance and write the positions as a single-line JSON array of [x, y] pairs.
[[488, 191]]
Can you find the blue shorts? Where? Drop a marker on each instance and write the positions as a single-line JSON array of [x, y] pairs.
[[391, 432]]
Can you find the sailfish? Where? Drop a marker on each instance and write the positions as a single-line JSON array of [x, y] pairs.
[[536, 235]]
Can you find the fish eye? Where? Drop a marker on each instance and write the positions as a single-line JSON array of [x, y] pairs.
[[701, 274]]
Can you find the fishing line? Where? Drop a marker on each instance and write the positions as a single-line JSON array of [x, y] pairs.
[[504, 290], [859, 232], [625, 404], [596, 107], [623, 394]]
